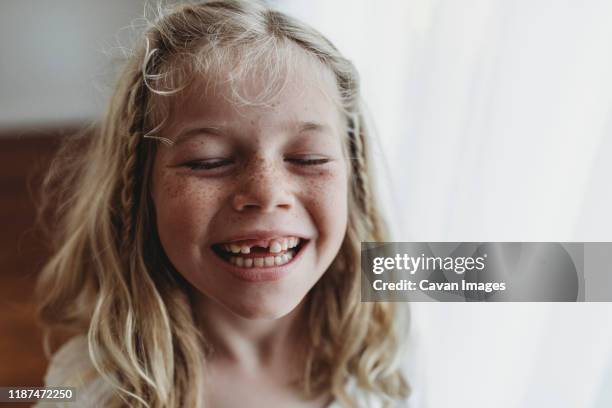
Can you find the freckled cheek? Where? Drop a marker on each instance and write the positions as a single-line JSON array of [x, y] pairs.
[[326, 201], [185, 208]]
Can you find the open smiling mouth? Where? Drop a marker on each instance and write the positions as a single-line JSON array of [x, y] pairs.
[[260, 253]]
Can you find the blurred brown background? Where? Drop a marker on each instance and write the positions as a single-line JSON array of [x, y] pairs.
[[24, 155]]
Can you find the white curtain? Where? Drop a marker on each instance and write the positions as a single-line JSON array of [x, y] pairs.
[[494, 124]]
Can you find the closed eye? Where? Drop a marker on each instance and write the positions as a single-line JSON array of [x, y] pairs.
[[308, 160], [208, 164]]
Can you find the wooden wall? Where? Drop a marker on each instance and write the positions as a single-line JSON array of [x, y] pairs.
[[24, 155]]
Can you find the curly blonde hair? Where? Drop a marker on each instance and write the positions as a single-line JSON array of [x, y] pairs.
[[108, 275]]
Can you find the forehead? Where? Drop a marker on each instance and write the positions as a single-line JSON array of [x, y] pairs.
[[298, 89]]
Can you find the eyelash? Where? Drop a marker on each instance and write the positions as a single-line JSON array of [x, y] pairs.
[[309, 162], [207, 165], [216, 163]]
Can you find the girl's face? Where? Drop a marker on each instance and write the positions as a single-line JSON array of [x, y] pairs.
[[251, 201]]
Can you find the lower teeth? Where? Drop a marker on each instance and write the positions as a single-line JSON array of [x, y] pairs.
[[261, 261]]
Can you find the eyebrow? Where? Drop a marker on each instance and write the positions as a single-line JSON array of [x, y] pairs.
[[312, 126], [188, 133], [301, 126]]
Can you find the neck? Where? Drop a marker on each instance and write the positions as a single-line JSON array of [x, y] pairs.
[[251, 343]]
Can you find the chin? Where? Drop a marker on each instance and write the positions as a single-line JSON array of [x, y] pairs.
[[268, 309]]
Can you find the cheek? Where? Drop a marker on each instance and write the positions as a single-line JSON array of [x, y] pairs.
[[184, 207], [327, 197]]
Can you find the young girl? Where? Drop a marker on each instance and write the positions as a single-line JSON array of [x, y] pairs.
[[208, 235]]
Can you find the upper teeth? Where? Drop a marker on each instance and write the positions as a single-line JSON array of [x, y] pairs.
[[275, 245]]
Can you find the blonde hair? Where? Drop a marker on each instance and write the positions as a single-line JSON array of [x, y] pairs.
[[109, 276]]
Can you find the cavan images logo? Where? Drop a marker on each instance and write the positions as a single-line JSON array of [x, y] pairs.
[[472, 271]]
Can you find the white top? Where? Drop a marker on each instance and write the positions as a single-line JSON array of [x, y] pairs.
[[69, 367], [68, 364]]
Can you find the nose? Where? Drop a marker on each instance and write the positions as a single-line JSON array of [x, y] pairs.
[[264, 186]]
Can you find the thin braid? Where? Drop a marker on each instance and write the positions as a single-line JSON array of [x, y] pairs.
[[360, 172], [134, 134], [135, 119]]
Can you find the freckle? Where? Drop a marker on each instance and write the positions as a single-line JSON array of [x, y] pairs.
[[211, 191], [172, 190]]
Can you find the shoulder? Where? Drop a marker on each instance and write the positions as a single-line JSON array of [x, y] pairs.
[[71, 366]]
